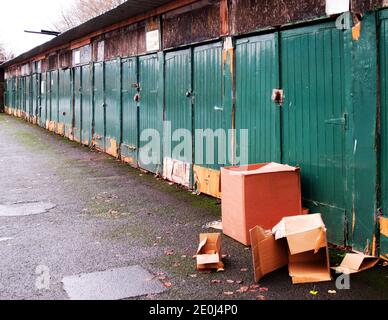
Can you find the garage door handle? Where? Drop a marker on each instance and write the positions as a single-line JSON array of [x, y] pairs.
[[339, 121], [218, 108]]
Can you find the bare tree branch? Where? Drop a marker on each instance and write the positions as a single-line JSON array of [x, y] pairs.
[[5, 54], [82, 11]]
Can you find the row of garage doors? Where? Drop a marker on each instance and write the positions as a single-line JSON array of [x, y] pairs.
[[110, 104]]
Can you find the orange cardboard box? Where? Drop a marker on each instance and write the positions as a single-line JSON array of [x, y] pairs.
[[308, 259], [299, 242], [209, 252], [258, 195]]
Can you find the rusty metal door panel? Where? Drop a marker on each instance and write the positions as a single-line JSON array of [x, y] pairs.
[[178, 146], [99, 107], [130, 145], [112, 106], [65, 111], [314, 119], [257, 75], [86, 103], [77, 107], [150, 114], [43, 101]]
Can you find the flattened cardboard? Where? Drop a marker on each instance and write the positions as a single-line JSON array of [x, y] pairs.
[[268, 254], [209, 252], [356, 262]]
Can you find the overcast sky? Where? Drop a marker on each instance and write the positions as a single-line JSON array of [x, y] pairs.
[[20, 15]]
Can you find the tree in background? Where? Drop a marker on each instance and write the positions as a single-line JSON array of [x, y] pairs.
[[83, 10], [4, 54]]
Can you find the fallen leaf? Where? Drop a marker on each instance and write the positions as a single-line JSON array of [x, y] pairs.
[[239, 282], [244, 270], [169, 252], [162, 278], [193, 275], [332, 292], [160, 273], [314, 293], [385, 264], [263, 289], [183, 257], [230, 281], [220, 270], [243, 290], [229, 293], [176, 264], [216, 281], [254, 286], [168, 284]]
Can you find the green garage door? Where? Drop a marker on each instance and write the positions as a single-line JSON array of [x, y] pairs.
[[257, 74], [77, 104], [99, 107], [65, 114], [112, 106], [129, 146], [86, 105], [150, 115], [54, 97], [43, 100], [314, 119], [384, 131], [177, 162]]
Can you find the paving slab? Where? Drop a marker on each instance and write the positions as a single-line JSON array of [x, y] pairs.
[[114, 284]]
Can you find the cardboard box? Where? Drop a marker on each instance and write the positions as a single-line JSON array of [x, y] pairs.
[[258, 195], [308, 259], [209, 254], [268, 254], [356, 262], [301, 244]]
